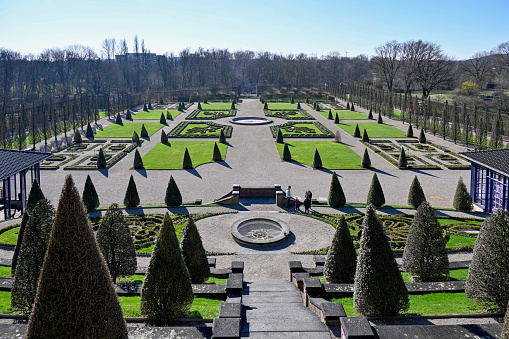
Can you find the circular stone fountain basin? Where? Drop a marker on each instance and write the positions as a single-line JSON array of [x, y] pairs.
[[264, 231], [250, 121]]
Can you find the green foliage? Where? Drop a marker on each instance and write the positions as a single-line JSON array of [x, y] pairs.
[[90, 131], [167, 292], [329, 116], [380, 121], [462, 200], [128, 114], [186, 162], [222, 137], [402, 160], [317, 107], [118, 120], [336, 195], [341, 260], [90, 197], [487, 281], [505, 329], [317, 160], [162, 119], [357, 132], [298, 105], [131, 198], [292, 101], [138, 162], [135, 138], [366, 161], [365, 137], [144, 133], [31, 256], [101, 159], [205, 100], [194, 254], [422, 137], [265, 106], [279, 136], [164, 137], [216, 155], [173, 196], [336, 118], [425, 253], [145, 108], [376, 194], [370, 114], [168, 115], [352, 107], [116, 244], [379, 289], [410, 131], [77, 137], [199, 105], [75, 297], [287, 156], [233, 105], [416, 194], [347, 106]]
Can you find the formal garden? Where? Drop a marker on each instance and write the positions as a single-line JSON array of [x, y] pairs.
[[126, 129], [302, 130], [210, 114], [155, 114], [192, 129]]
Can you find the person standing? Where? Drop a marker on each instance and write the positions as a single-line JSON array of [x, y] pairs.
[[307, 201], [297, 204], [288, 196]]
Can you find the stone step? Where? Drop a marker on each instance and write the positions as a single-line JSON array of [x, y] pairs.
[[270, 286], [286, 335]]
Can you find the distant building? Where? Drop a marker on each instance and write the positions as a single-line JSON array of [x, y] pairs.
[[147, 57]]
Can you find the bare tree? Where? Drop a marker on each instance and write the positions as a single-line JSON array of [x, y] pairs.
[[386, 63], [433, 68], [478, 67]]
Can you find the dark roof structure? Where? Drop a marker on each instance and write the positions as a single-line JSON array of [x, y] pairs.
[[12, 161], [495, 159]]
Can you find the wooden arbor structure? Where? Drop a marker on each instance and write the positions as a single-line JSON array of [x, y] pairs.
[[15, 167]]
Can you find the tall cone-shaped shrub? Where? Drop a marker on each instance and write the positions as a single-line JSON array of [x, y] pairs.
[[90, 132], [164, 137], [317, 160], [90, 197], [365, 137], [380, 120], [352, 107], [194, 254], [298, 105], [366, 161], [287, 156], [336, 118], [162, 119], [101, 159], [199, 105], [265, 106], [222, 137], [376, 194], [144, 133], [216, 155], [138, 162], [425, 253], [348, 106], [167, 292], [341, 260], [462, 200], [233, 106], [416, 195], [131, 198], [150, 105], [329, 115], [77, 137], [31, 256], [34, 197], [402, 161], [135, 138], [410, 131], [75, 297], [487, 281], [336, 194], [370, 114], [173, 196], [128, 114], [357, 131], [318, 107], [205, 100], [422, 137], [168, 115], [279, 136], [118, 120], [186, 161], [379, 290]]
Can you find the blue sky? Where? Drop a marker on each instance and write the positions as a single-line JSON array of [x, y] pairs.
[[288, 27]]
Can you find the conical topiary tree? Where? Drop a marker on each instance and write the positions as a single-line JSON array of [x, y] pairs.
[[317, 160], [128, 114], [336, 195], [487, 281], [75, 296], [131, 198], [298, 105], [422, 137], [462, 200], [173, 196], [287, 156], [194, 254], [144, 133], [265, 106], [31, 256], [233, 106], [379, 290], [336, 118], [145, 108], [425, 253], [135, 138], [376, 194], [90, 197], [186, 162], [341, 259], [205, 100], [167, 292], [380, 121], [416, 195], [216, 155], [317, 107], [118, 120], [370, 114], [352, 107], [101, 159], [410, 131], [329, 116], [279, 136], [116, 243], [366, 161], [402, 160], [505, 329], [222, 137], [357, 131], [199, 105], [34, 197], [150, 105], [138, 162], [90, 131], [365, 137], [77, 137], [348, 106], [291, 100], [168, 115], [164, 137], [162, 119]]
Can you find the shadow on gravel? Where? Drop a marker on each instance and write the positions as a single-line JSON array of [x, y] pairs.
[[290, 240], [143, 172], [391, 210], [194, 172], [422, 172], [383, 172], [104, 172], [224, 163]]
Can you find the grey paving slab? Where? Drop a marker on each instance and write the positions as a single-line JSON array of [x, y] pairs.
[[286, 335]]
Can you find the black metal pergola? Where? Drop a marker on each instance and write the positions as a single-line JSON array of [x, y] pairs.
[[14, 169]]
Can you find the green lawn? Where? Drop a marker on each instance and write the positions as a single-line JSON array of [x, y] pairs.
[[374, 129], [301, 129], [333, 155], [217, 105], [460, 274], [345, 115], [10, 237], [5, 271], [459, 240], [170, 155], [201, 307], [126, 130], [154, 114], [140, 278], [281, 105], [430, 304], [445, 221]]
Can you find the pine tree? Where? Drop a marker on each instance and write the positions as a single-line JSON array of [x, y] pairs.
[[416, 195], [77, 137], [118, 120], [336, 195], [164, 137], [90, 131], [487, 281], [287, 156], [144, 133], [317, 160], [376, 194], [90, 197], [194, 254], [462, 199], [75, 296], [186, 162], [101, 159], [379, 289], [173, 196], [135, 138], [138, 162], [131, 198], [31, 256], [336, 119], [410, 131], [279, 136], [128, 115], [352, 107], [365, 137], [199, 105], [366, 161], [216, 155], [222, 137], [347, 106], [370, 114], [425, 253], [162, 119], [357, 131], [167, 292], [402, 160], [329, 115], [341, 260], [116, 243], [422, 137]]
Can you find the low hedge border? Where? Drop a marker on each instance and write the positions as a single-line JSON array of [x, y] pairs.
[[70, 157], [394, 162], [283, 115], [196, 112], [175, 133], [326, 132], [445, 164], [5, 229]]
